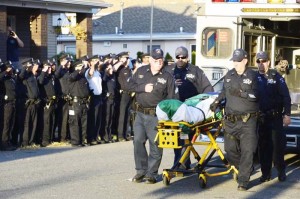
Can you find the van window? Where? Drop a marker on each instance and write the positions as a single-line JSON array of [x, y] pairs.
[[216, 43]]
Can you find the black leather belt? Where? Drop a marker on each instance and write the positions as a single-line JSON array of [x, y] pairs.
[[244, 117], [147, 111]]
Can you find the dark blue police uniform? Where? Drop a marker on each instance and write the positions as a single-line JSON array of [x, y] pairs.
[[274, 102]]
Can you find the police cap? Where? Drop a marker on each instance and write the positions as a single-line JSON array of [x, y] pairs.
[[123, 54], [145, 55], [66, 56], [238, 55], [28, 62], [78, 63], [157, 53], [181, 51], [95, 57], [262, 55], [84, 58]]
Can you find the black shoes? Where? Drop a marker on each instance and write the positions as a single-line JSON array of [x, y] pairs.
[[242, 188], [150, 180], [265, 178], [281, 176], [8, 148], [138, 178], [94, 142]]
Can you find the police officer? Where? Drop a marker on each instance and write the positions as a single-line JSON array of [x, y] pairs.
[[124, 73], [94, 79], [78, 108], [62, 74], [275, 106], [190, 80], [7, 78], [28, 76], [241, 111], [48, 97], [151, 85]]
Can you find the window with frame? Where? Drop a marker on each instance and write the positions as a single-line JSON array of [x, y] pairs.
[[216, 43]]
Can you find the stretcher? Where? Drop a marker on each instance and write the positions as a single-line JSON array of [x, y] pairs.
[[169, 135]]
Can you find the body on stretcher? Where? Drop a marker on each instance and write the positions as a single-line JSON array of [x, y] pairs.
[[168, 136]]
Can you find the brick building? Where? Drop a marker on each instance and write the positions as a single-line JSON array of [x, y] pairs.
[[33, 22]]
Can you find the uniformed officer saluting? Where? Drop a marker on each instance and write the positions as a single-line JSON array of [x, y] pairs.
[[275, 105], [48, 96], [241, 111], [151, 85], [78, 108], [124, 73], [28, 76], [7, 77]]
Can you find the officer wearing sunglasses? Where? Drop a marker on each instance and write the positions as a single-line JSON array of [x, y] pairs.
[[275, 106], [190, 80]]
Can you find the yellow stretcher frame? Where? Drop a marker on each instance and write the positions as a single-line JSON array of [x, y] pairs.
[[168, 137]]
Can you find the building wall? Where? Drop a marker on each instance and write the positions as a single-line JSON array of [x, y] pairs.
[[132, 46]]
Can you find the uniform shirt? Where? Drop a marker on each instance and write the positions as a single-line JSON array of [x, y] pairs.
[[9, 86], [123, 76], [194, 81], [95, 82], [12, 49], [46, 85], [63, 75], [163, 86], [247, 102], [78, 85], [274, 93], [110, 84], [30, 81]]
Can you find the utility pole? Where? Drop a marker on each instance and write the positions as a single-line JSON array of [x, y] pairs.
[[121, 18], [151, 26]]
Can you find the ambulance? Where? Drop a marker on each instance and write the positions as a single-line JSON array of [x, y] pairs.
[[254, 25]]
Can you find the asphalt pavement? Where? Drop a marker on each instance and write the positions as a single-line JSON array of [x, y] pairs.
[[105, 171]]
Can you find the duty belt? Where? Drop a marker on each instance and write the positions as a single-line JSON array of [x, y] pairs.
[[271, 112], [81, 100], [125, 92], [244, 117], [147, 111]]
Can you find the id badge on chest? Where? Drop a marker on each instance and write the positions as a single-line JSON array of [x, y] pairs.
[[71, 112]]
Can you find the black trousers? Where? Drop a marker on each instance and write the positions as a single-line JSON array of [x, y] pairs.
[[78, 122], [271, 145], [124, 115], [30, 125], [240, 143], [19, 121], [9, 111], [48, 124], [94, 118], [109, 117]]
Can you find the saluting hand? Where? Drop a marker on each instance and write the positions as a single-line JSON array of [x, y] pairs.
[[149, 88]]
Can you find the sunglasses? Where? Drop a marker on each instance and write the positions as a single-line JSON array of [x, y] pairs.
[[180, 57], [261, 61]]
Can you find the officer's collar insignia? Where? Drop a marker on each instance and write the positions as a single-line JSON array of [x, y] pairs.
[[141, 76]]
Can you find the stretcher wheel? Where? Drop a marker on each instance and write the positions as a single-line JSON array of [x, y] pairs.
[[202, 181], [166, 180]]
